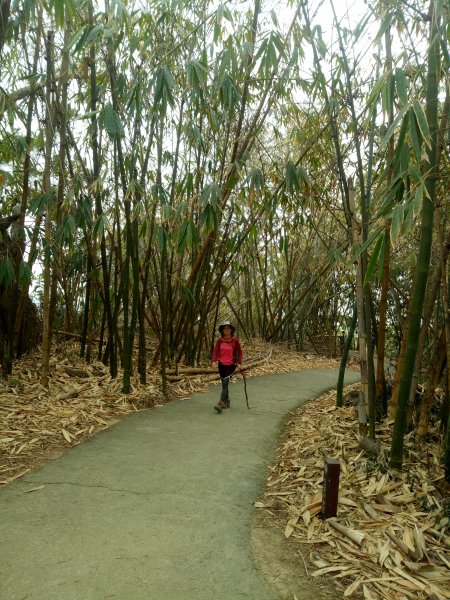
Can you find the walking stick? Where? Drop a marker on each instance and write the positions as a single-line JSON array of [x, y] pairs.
[[245, 385]]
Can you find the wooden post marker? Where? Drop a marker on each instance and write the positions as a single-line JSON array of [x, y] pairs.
[[330, 495]]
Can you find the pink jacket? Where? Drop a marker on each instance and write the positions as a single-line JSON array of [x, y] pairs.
[[228, 352]]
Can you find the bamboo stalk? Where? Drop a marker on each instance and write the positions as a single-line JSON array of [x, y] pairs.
[[351, 534]]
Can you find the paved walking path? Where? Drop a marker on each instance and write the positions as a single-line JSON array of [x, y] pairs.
[[158, 507]]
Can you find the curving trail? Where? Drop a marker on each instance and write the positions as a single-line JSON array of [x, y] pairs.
[[159, 507]]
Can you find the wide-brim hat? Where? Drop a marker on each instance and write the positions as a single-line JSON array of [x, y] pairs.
[[225, 324]]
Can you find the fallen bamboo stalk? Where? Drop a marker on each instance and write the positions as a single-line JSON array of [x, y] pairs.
[[372, 512], [196, 372], [351, 534], [400, 545]]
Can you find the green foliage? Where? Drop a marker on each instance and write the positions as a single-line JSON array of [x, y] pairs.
[[25, 273], [113, 124], [210, 195], [7, 275], [164, 83], [63, 10]]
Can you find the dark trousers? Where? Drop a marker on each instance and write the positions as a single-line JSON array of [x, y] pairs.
[[225, 372]]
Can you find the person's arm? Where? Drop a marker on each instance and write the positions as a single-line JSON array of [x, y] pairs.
[[216, 354]]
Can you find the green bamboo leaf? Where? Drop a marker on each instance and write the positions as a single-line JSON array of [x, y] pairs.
[[196, 74], [291, 177], [191, 235], [401, 148], [25, 273], [210, 195], [422, 121], [7, 275], [163, 238], [78, 40], [401, 84], [373, 236], [302, 175], [415, 135], [373, 260], [418, 199], [229, 94], [256, 179], [224, 12], [400, 115], [209, 217], [387, 93], [395, 194], [360, 28], [94, 33], [273, 16], [181, 236], [58, 8], [113, 124], [385, 25], [262, 49], [409, 218], [38, 203], [377, 88], [382, 254], [398, 217], [277, 41], [189, 185], [99, 227], [163, 88], [225, 62]]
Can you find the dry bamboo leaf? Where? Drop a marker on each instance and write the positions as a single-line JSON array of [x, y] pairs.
[[66, 434], [367, 594], [413, 583], [311, 530], [384, 552], [348, 502], [351, 589], [408, 540], [318, 561], [326, 570], [35, 489], [291, 526]]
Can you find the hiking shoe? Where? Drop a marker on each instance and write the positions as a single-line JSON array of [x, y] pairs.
[[220, 405], [226, 403]]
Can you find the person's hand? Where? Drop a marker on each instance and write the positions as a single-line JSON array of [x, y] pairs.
[[214, 364]]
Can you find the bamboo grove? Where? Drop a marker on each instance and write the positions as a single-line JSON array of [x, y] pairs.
[[165, 164]]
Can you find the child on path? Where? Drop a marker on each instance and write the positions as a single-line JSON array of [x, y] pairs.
[[227, 354]]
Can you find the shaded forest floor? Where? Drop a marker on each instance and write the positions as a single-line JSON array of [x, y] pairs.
[[38, 424], [399, 544]]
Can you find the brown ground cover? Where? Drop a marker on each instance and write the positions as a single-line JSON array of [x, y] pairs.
[[391, 537]]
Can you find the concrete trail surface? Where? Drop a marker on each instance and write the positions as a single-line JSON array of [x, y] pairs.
[[158, 507]]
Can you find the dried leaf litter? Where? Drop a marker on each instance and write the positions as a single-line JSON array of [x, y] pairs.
[[391, 537]]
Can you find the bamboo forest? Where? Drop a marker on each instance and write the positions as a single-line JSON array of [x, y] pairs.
[[171, 166]]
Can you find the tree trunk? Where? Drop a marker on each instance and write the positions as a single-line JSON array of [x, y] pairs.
[[21, 292], [46, 188], [345, 353], [98, 200], [362, 337], [434, 373], [5, 7], [426, 239]]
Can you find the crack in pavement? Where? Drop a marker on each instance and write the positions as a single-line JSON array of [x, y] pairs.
[[85, 485]]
